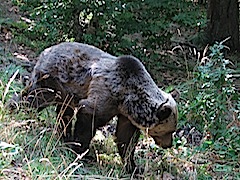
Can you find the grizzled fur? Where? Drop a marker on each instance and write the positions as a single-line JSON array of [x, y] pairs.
[[101, 86]]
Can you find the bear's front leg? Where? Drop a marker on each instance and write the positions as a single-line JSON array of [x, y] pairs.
[[84, 130], [65, 116], [127, 136]]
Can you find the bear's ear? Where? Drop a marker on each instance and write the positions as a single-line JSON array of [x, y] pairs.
[[175, 94], [164, 112]]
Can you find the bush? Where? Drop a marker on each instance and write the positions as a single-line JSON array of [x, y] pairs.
[[211, 97]]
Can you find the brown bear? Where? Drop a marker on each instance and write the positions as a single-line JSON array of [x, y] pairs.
[[97, 86]]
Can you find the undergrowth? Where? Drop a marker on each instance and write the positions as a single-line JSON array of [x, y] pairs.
[[210, 103], [212, 96]]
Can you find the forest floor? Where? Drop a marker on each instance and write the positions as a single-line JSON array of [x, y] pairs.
[[10, 16]]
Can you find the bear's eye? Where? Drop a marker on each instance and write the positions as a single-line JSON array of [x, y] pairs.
[[164, 112]]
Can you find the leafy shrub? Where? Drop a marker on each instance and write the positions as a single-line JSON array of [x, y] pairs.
[[211, 96], [210, 102]]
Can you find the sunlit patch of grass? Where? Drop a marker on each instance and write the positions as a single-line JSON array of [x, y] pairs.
[[42, 155]]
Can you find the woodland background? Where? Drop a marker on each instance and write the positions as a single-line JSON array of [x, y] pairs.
[[189, 45]]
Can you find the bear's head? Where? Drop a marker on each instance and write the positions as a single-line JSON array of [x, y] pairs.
[[167, 115], [42, 91]]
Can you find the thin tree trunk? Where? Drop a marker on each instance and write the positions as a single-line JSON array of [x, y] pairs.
[[77, 28]]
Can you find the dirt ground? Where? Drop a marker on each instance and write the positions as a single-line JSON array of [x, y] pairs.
[[9, 14]]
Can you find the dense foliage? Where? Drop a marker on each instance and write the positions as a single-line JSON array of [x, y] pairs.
[[134, 27]]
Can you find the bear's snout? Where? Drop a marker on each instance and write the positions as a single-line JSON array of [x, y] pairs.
[[164, 141]]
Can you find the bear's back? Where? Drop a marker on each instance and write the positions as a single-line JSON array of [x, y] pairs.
[[69, 56], [72, 65]]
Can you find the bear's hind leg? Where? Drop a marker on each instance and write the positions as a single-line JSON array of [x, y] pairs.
[[127, 136]]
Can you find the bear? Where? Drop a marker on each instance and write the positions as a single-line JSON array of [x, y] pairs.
[[95, 86]]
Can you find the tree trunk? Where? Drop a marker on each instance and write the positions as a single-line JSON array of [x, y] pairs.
[[77, 28], [223, 17]]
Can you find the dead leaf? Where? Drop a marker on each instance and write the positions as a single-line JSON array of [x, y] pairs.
[[21, 56], [168, 176], [26, 20], [14, 9], [8, 35]]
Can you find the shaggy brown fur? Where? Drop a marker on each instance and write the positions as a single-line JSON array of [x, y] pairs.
[[102, 86]]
